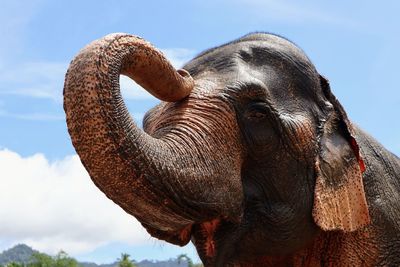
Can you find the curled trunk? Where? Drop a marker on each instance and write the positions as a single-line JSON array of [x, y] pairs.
[[113, 149]]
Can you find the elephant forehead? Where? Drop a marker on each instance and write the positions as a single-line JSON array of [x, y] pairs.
[[254, 49], [285, 77]]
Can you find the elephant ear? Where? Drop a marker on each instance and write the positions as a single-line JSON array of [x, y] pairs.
[[339, 197]]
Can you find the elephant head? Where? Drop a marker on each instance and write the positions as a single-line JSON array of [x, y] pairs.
[[250, 155]]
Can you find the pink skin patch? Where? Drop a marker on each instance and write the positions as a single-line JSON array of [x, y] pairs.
[[208, 229], [186, 233], [356, 150]]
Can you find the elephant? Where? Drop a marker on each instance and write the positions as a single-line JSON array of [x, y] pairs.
[[249, 155]]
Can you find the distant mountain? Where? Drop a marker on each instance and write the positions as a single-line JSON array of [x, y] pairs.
[[144, 263], [19, 253], [22, 254], [169, 263], [91, 264]]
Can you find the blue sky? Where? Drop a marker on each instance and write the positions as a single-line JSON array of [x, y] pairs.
[[353, 43]]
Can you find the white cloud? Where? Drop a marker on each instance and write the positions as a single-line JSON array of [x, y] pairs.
[[178, 56], [293, 11], [46, 79], [34, 79], [131, 90], [54, 205], [32, 116]]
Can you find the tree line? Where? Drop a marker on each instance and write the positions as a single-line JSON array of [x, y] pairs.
[[62, 259]]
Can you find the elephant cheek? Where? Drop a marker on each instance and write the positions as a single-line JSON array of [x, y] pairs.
[[301, 134]]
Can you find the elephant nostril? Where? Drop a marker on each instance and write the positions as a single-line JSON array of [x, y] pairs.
[[184, 73]]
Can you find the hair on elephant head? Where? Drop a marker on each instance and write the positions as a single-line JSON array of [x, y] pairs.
[[250, 156]]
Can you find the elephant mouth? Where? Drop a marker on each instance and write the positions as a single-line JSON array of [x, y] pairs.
[[180, 237], [202, 235]]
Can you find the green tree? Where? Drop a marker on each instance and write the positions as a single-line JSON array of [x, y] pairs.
[[41, 260], [124, 261], [60, 260], [14, 264], [188, 260], [63, 260]]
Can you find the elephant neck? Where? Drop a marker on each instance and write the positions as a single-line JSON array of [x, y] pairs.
[[336, 248]]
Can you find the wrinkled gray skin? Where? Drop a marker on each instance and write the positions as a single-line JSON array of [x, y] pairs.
[[257, 166]]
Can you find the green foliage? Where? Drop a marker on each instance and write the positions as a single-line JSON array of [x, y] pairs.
[[63, 260], [40, 260], [24, 256], [60, 260], [15, 264], [124, 261], [188, 260]]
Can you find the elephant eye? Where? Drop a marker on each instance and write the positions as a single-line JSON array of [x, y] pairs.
[[257, 111]]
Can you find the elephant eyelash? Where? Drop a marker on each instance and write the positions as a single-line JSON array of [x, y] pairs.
[[258, 110], [258, 115], [255, 115]]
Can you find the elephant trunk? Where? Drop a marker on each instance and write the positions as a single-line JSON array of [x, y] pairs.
[[135, 170]]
